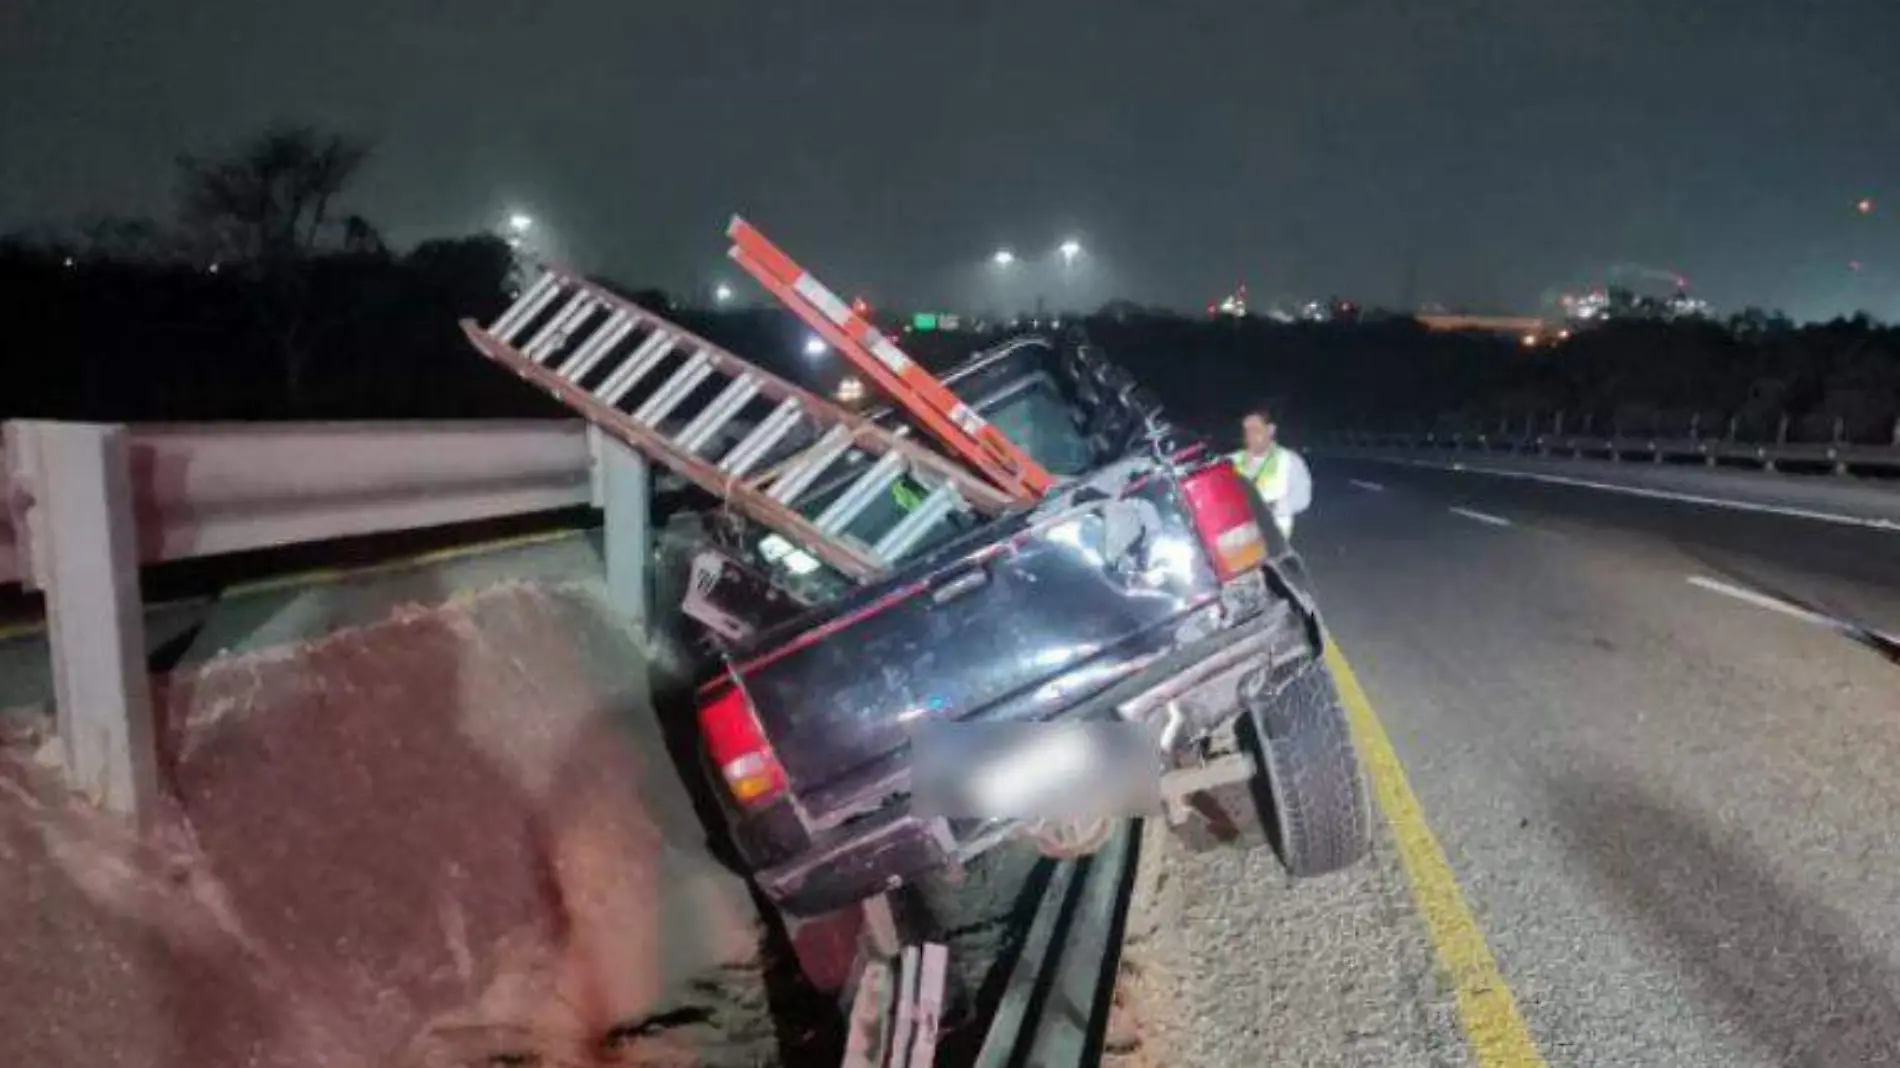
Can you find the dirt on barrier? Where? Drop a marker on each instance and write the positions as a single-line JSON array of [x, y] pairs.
[[453, 838]]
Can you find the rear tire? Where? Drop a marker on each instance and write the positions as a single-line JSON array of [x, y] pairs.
[[1311, 796]]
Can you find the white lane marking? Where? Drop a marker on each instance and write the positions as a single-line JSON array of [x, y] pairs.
[[1775, 604], [1870, 522], [1482, 517], [1364, 485]]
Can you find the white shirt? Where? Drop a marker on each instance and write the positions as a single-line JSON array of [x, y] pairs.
[[1287, 487]]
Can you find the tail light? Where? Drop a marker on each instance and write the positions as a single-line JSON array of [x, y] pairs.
[[1223, 513], [739, 750]]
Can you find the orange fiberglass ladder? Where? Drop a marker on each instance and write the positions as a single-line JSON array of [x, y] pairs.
[[961, 430], [775, 453]]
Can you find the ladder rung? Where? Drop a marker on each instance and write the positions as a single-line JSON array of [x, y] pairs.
[[910, 530], [809, 466], [538, 296], [855, 499], [557, 326], [564, 329], [717, 414], [747, 454], [805, 451], [641, 361], [675, 390], [598, 345]]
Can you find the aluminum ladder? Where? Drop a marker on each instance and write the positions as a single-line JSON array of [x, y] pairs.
[[954, 424], [800, 465]]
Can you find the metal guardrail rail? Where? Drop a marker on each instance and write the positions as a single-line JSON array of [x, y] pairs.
[[1054, 1010], [9, 541], [204, 490], [1839, 457], [84, 506]]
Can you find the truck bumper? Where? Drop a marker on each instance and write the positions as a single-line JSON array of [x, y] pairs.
[[878, 854], [882, 851]]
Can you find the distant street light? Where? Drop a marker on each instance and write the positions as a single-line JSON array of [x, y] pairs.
[[815, 346], [1003, 257], [722, 293], [519, 223], [1070, 250]]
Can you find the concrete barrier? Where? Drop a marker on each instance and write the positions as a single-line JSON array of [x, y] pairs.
[[450, 836]]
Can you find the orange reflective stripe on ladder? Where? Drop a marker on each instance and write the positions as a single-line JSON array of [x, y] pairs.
[[968, 435]]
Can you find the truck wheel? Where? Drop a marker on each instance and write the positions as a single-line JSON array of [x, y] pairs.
[[1311, 798]]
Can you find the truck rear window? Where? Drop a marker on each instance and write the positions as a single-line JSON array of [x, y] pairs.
[[1042, 423]]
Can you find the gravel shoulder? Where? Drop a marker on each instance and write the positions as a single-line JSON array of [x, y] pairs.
[[1228, 962]]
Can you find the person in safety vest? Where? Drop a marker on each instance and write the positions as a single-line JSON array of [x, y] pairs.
[[1275, 471]]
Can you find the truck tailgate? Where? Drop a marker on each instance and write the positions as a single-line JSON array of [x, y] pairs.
[[1013, 630]]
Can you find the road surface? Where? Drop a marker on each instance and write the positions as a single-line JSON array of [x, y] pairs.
[[1652, 747]]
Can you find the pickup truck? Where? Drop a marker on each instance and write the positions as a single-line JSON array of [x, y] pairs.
[[1150, 589]]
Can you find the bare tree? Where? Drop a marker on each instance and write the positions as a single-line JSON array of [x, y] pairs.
[[360, 238], [268, 203], [264, 209]]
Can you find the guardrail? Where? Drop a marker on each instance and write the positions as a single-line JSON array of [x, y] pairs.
[[1054, 1009], [83, 506], [1838, 457], [9, 542], [213, 489]]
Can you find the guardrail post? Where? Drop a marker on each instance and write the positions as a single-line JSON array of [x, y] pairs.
[[623, 493], [72, 510], [1781, 439]]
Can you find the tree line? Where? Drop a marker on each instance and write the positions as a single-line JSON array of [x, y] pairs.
[[266, 298]]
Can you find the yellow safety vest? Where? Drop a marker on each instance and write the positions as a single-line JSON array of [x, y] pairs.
[[1267, 473]]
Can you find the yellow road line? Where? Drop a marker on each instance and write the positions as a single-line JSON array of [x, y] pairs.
[[10, 631], [332, 575], [1493, 1026]]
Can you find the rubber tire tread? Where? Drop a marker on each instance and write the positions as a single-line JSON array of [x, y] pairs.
[[1312, 799]]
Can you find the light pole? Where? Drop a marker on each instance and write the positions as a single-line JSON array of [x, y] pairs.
[[523, 271], [1003, 261], [519, 223], [1070, 249]]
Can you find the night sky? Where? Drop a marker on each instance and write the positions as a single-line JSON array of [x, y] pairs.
[[1472, 152]]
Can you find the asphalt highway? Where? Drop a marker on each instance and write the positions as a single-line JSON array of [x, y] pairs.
[[1657, 743]]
